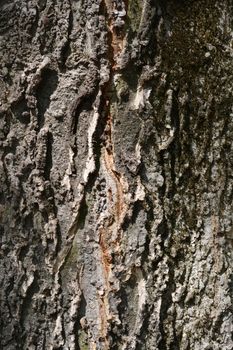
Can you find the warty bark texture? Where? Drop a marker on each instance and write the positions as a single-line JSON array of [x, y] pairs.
[[116, 174]]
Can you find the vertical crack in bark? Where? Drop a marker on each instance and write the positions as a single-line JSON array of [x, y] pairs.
[[109, 235], [49, 157], [65, 50], [165, 305], [46, 87], [26, 306], [80, 324], [116, 29], [174, 147]]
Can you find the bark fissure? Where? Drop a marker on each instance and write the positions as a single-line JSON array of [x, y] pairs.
[[116, 187]]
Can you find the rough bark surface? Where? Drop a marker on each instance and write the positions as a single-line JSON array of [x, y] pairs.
[[116, 129]]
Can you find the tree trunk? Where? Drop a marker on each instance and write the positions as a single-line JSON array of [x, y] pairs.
[[116, 174]]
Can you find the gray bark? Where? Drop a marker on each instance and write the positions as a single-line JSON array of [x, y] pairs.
[[116, 174]]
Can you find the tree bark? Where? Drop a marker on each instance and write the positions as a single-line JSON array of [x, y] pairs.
[[116, 174]]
